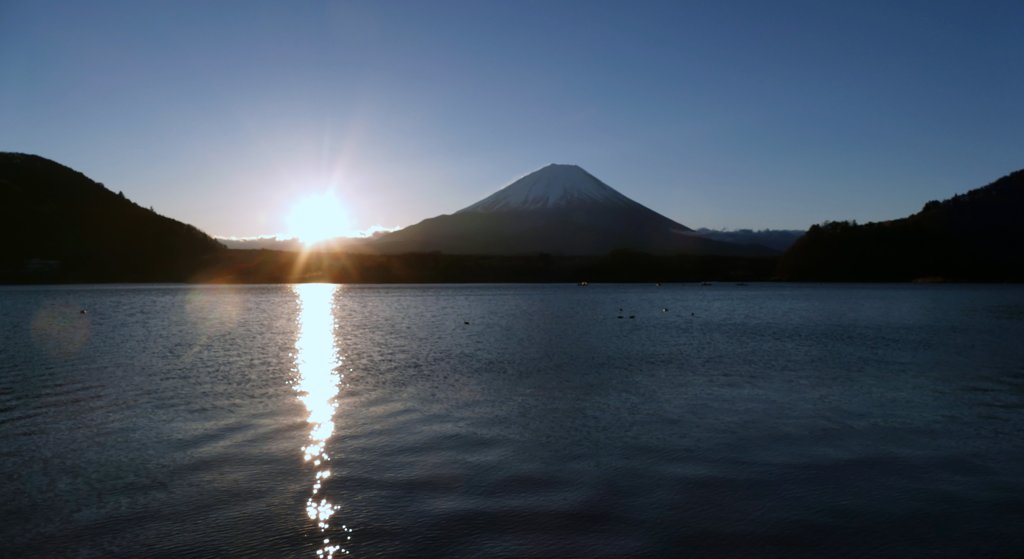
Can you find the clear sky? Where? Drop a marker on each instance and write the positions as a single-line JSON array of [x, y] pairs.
[[723, 114]]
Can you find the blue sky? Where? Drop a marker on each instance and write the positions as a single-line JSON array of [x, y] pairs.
[[721, 114]]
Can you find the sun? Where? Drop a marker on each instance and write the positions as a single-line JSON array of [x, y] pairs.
[[316, 218]]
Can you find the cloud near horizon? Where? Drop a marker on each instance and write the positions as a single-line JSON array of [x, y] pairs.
[[281, 241]]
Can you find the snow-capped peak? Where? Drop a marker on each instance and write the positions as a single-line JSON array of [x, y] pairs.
[[553, 186]]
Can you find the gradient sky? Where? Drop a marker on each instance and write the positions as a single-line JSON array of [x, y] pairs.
[[725, 114]]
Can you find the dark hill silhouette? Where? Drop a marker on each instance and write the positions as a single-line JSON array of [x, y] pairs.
[[977, 236], [559, 209], [59, 225]]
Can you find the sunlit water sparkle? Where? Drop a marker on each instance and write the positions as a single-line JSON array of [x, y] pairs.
[[317, 361]]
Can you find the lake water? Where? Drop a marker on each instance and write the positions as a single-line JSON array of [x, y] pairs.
[[512, 421]]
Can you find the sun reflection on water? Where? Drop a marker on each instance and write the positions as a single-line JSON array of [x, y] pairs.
[[317, 383]]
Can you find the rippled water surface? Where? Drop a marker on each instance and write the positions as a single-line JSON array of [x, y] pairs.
[[512, 421]]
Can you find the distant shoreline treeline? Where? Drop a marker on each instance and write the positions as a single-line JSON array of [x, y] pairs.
[[618, 266], [241, 266], [268, 266]]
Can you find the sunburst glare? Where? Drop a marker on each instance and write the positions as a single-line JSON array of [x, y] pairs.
[[317, 217]]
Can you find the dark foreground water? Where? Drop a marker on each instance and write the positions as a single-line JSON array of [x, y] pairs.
[[512, 421]]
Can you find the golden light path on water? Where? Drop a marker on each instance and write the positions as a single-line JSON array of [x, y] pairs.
[[317, 385]]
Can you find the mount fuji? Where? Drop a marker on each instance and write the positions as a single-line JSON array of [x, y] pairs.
[[558, 209], [552, 187]]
